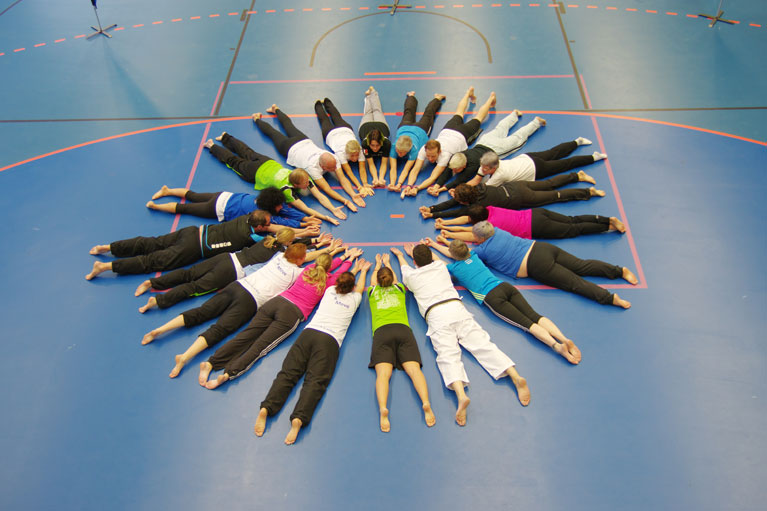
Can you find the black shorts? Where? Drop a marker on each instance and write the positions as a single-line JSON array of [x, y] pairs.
[[394, 344], [467, 129]]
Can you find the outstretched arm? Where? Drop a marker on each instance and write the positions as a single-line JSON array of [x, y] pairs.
[[323, 199], [438, 170], [400, 257], [439, 247], [347, 186], [374, 275], [363, 267]]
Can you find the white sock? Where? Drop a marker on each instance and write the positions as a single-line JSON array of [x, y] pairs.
[[582, 141], [599, 156]]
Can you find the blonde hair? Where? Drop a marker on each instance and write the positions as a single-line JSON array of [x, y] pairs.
[[318, 275], [459, 250], [298, 176], [284, 236], [352, 147], [457, 161], [404, 144]]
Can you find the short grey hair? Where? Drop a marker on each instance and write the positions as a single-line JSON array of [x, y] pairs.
[[490, 159], [457, 161], [483, 230], [404, 144]]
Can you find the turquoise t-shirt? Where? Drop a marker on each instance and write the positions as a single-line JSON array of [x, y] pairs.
[[474, 276], [417, 135]]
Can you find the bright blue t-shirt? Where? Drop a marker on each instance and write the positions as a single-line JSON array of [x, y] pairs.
[[239, 204], [417, 135], [474, 276], [504, 252]]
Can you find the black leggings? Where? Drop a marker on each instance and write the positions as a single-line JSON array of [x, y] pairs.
[[533, 194], [427, 119], [282, 142], [506, 302], [200, 204], [200, 279], [322, 115], [239, 157], [315, 354], [548, 224], [147, 254], [273, 323], [233, 306], [553, 266], [467, 129], [550, 162]]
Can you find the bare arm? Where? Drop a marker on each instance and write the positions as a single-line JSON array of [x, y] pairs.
[[363, 267], [433, 177], [301, 206], [414, 172], [323, 199], [474, 181], [442, 249], [347, 186]]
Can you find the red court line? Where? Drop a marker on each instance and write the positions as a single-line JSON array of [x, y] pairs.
[[331, 80], [402, 73], [499, 112], [396, 216]]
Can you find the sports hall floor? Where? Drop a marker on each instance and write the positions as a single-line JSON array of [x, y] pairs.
[[668, 409]]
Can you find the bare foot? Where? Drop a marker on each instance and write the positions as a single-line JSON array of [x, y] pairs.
[[212, 384], [295, 426], [440, 97], [260, 426], [99, 249], [384, 420], [562, 350], [617, 300], [428, 415], [256, 116], [598, 193], [148, 337], [162, 192], [221, 136], [142, 288], [523, 393], [617, 225], [493, 99], [470, 94], [272, 109], [205, 369], [573, 349], [180, 363], [150, 304], [629, 277], [460, 413], [151, 205], [411, 93], [98, 267], [369, 91], [519, 113], [582, 176], [541, 121], [208, 143]]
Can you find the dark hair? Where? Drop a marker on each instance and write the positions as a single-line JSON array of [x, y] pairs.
[[374, 136], [345, 283], [385, 276], [477, 213], [466, 194], [258, 218], [270, 199], [422, 255]]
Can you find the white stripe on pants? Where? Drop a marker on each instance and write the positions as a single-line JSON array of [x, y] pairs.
[[447, 341]]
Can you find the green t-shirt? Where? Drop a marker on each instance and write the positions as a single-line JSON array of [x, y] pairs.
[[272, 173], [387, 305]]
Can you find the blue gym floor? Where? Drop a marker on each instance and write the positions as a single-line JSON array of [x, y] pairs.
[[666, 410]]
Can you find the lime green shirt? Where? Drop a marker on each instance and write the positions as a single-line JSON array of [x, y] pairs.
[[272, 173], [387, 305]]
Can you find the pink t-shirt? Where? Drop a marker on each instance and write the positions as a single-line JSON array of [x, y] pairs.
[[305, 296], [518, 223]]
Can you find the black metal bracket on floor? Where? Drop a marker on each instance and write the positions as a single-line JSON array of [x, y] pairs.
[[395, 7], [716, 18]]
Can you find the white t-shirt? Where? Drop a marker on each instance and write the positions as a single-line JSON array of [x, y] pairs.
[[275, 277], [306, 155], [450, 142], [337, 140], [519, 168], [335, 313], [431, 284]]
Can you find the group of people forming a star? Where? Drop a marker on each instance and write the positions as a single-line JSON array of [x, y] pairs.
[[253, 258]]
